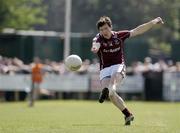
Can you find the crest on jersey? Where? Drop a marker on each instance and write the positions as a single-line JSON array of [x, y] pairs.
[[116, 42], [104, 44]]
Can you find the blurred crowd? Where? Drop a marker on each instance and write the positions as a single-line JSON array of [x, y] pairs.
[[159, 66], [17, 66]]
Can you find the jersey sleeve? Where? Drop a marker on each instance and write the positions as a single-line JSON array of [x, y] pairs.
[[124, 34]]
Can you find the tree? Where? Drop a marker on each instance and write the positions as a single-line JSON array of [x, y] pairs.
[[21, 14], [127, 14]]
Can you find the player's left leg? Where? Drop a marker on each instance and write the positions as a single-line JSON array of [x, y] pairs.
[[116, 79], [114, 97]]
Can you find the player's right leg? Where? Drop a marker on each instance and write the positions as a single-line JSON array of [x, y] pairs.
[[31, 95], [105, 75]]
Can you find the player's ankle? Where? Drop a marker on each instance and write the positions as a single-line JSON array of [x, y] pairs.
[[126, 112]]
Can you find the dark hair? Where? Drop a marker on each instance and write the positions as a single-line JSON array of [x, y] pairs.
[[104, 20]]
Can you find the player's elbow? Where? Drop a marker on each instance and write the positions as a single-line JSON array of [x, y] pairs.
[[135, 32]]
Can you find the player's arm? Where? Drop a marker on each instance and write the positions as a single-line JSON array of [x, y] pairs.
[[145, 27]]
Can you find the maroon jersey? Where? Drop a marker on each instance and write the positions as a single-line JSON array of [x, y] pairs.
[[111, 50]]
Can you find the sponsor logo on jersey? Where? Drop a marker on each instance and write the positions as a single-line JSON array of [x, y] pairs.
[[111, 50]]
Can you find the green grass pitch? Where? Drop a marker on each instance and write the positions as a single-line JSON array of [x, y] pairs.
[[88, 117]]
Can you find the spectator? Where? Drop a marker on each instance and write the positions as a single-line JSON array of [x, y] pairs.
[[178, 66], [160, 66], [148, 66]]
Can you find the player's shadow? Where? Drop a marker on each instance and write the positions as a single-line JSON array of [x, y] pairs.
[[95, 125]]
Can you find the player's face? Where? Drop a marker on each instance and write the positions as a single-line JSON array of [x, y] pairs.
[[105, 31]]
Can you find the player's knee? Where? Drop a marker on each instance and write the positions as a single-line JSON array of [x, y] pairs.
[[112, 92]]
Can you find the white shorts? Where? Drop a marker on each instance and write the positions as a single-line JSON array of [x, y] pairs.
[[109, 71]]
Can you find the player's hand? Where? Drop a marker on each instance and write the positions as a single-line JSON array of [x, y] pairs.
[[158, 20], [94, 49]]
